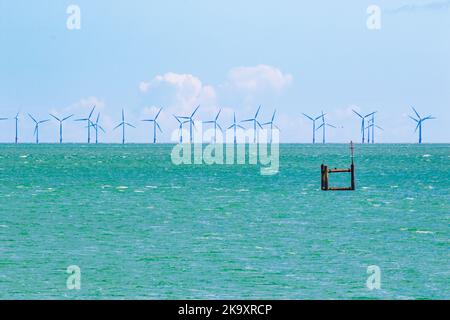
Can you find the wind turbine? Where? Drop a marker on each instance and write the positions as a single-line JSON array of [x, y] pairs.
[[191, 123], [180, 128], [61, 125], [271, 124], [372, 126], [16, 118], [96, 126], [314, 125], [324, 126], [363, 123], [420, 121], [89, 125], [36, 127], [155, 124], [235, 126], [123, 124], [255, 122], [216, 125]]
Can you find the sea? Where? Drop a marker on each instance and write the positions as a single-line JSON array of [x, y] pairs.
[[134, 225]]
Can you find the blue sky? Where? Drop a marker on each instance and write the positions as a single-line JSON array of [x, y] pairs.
[[295, 56]]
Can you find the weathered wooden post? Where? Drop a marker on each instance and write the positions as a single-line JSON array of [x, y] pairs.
[[353, 184], [325, 175]]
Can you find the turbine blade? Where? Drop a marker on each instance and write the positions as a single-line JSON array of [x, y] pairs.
[[32, 118], [92, 111], [370, 114], [257, 112], [195, 111], [358, 114], [130, 125], [157, 115], [415, 111], [157, 124], [418, 125], [57, 119], [414, 119], [67, 118], [176, 118], [118, 126], [274, 113], [217, 117], [308, 116]]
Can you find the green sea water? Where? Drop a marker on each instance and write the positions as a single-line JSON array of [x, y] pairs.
[[141, 227]]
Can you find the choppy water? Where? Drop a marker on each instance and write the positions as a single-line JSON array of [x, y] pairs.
[[140, 227]]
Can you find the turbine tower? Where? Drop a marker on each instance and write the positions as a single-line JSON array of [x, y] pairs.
[[324, 126], [216, 125], [191, 123], [314, 125], [235, 126], [271, 124], [180, 128], [61, 125], [96, 126], [255, 122], [89, 124], [420, 121], [36, 127], [363, 123], [123, 124], [155, 124], [16, 118]]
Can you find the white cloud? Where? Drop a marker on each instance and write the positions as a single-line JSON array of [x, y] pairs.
[[259, 78], [144, 86], [187, 91], [85, 105]]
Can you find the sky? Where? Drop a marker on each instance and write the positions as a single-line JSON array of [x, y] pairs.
[[289, 55]]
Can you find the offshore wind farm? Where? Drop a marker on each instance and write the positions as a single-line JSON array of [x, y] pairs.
[[319, 123]]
